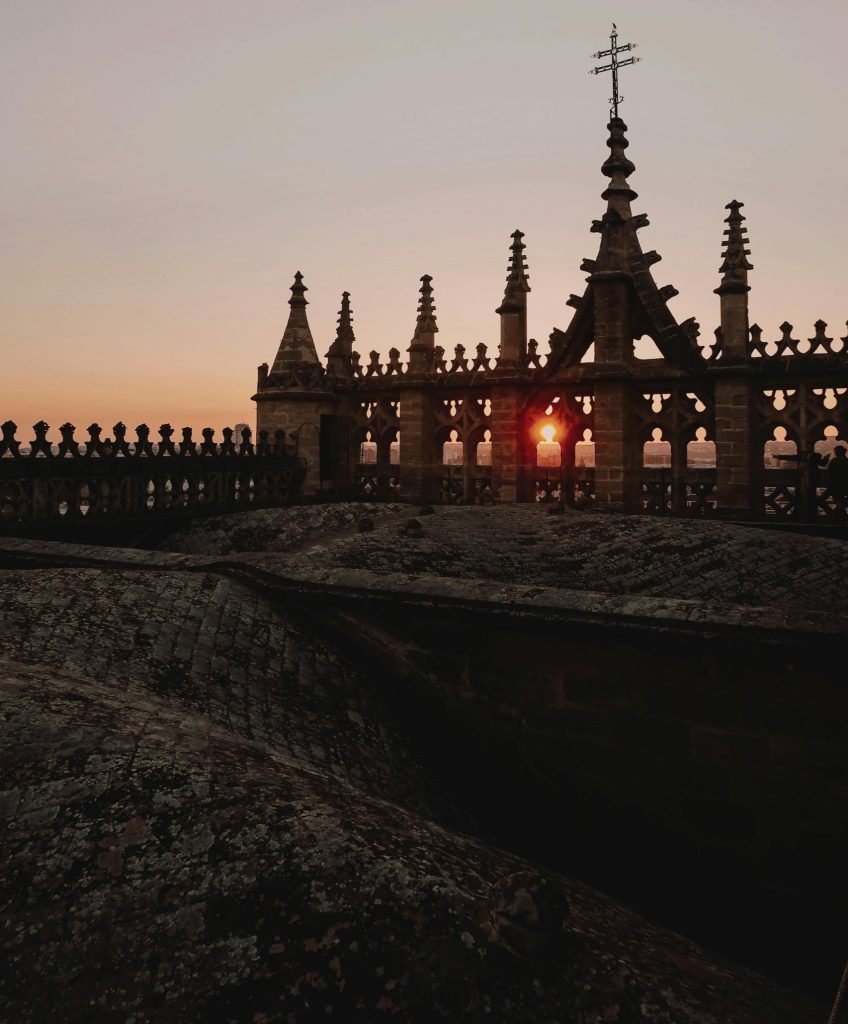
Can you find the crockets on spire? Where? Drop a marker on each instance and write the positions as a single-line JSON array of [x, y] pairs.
[[735, 265], [339, 355], [423, 341], [733, 289], [513, 309], [426, 310], [517, 282], [296, 346]]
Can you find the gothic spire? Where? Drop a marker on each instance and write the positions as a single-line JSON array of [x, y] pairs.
[[735, 265], [423, 340], [513, 309], [517, 282], [616, 227], [617, 168], [733, 289], [344, 332], [296, 345], [339, 356], [426, 310]]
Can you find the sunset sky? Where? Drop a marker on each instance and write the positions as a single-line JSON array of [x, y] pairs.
[[168, 165]]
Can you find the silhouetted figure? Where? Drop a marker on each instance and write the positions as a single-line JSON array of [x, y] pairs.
[[809, 463], [837, 477]]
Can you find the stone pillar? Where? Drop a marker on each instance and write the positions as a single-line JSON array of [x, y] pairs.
[[617, 464], [383, 466], [734, 322], [513, 345], [508, 444], [417, 449], [613, 339], [736, 450], [40, 506]]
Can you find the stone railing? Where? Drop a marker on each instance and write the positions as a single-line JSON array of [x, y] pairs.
[[118, 479]]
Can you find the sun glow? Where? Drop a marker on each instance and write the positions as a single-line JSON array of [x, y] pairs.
[[548, 432]]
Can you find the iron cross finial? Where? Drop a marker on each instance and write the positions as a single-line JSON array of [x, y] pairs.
[[614, 65]]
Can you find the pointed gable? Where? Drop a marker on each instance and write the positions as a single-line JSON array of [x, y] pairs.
[[620, 256]]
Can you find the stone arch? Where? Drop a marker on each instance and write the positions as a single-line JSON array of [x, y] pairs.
[[779, 439], [480, 446], [700, 447], [367, 446], [584, 449], [393, 439], [656, 447], [452, 446]]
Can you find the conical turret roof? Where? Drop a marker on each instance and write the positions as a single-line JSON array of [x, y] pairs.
[[297, 345]]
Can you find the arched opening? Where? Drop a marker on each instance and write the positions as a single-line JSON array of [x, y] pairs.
[[780, 451], [584, 451], [368, 450], [484, 449], [548, 449], [829, 441], [646, 348], [656, 452], [394, 450], [700, 451], [452, 450]]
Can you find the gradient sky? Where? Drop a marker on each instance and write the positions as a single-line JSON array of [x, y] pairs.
[[167, 165]]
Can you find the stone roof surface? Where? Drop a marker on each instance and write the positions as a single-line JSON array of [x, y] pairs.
[[644, 555], [210, 813]]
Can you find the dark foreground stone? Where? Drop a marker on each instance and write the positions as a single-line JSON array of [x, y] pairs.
[[158, 867]]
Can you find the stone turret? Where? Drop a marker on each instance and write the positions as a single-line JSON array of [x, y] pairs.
[[423, 340], [339, 357], [294, 395], [513, 309], [734, 287]]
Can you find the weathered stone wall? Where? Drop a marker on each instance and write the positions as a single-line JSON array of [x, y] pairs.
[[300, 419], [706, 778]]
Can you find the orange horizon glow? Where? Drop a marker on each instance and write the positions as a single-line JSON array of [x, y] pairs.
[[170, 165]]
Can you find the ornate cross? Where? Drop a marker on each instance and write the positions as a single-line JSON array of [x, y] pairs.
[[614, 65]]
